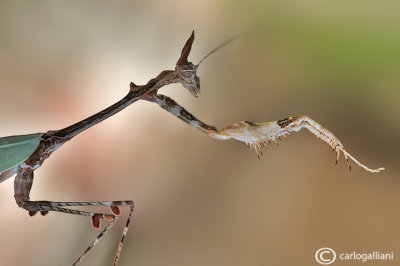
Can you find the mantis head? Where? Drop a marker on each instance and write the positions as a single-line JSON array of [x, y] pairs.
[[188, 78], [186, 71]]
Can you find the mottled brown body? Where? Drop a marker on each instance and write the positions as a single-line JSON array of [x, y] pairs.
[[256, 135]]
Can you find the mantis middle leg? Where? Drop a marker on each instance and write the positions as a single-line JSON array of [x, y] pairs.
[[23, 184]]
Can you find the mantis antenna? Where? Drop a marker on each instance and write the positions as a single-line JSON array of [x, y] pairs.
[[22, 155], [230, 40]]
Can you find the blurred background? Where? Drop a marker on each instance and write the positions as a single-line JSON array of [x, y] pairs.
[[200, 201]]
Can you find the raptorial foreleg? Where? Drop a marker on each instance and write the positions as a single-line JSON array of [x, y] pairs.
[[259, 135]]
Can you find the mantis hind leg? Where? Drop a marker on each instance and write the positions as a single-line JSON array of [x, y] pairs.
[[22, 187]]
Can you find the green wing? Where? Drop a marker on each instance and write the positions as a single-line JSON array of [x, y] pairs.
[[16, 149]]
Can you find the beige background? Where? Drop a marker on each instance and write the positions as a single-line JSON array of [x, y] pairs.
[[201, 201]]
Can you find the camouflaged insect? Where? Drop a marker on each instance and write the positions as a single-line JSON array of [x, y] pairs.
[[22, 155]]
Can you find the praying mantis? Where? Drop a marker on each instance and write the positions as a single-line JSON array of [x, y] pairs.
[[21, 155]]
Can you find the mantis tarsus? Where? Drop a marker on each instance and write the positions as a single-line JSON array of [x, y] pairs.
[[22, 155]]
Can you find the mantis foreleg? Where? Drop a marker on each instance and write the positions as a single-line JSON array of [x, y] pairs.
[[259, 135]]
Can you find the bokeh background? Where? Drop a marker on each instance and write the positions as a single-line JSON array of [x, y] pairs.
[[200, 201]]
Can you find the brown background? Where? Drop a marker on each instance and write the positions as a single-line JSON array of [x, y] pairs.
[[201, 201]]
